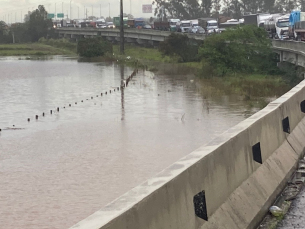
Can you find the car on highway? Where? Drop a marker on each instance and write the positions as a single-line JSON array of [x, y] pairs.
[[147, 27], [110, 25], [197, 29]]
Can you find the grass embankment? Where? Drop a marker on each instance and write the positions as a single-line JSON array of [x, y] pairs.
[[38, 49], [248, 85]]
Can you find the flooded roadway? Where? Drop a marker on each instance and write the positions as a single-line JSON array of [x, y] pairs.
[[58, 170]]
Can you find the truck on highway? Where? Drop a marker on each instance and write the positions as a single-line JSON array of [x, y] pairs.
[[116, 22], [162, 25], [184, 26], [297, 25], [136, 23], [101, 23], [277, 26], [169, 25], [256, 19], [173, 24], [210, 25]]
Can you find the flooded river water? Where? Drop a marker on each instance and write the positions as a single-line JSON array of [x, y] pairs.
[[57, 170]]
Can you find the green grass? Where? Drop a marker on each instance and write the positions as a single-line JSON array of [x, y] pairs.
[[32, 49], [143, 53]]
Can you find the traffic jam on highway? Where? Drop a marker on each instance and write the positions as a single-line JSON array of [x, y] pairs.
[[278, 26]]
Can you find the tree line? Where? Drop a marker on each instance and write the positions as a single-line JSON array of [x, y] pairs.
[[36, 25], [192, 9]]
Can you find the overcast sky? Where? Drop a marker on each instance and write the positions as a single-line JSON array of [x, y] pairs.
[[14, 10]]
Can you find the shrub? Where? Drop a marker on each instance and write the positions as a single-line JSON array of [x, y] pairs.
[[242, 49], [93, 47], [179, 45]]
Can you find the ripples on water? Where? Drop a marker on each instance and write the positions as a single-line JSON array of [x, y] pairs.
[[58, 170]]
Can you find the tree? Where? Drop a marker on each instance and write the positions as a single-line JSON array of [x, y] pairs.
[[179, 45], [93, 47], [237, 50], [206, 6], [301, 4], [285, 6], [20, 32], [268, 6], [108, 19], [38, 24], [216, 6], [3, 27], [4, 33], [130, 16], [183, 9]]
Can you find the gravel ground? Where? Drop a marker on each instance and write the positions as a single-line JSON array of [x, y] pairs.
[[295, 217]]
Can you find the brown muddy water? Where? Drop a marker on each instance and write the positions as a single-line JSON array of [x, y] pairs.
[[57, 170]]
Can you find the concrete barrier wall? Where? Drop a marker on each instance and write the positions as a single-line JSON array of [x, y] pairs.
[[144, 34], [222, 184], [290, 51]]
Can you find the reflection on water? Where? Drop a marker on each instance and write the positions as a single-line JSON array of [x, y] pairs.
[[59, 169]]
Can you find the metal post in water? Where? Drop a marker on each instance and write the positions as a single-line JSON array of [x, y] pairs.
[[121, 28]]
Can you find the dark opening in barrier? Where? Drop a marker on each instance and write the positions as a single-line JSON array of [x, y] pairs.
[[200, 206], [286, 126], [257, 154], [303, 106]]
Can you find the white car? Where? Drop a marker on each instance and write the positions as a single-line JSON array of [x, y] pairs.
[[197, 29]]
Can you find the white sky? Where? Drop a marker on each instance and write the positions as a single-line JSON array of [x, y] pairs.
[[13, 10]]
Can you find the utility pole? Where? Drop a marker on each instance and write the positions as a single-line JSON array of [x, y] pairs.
[[100, 10], [121, 28], [62, 7], [55, 12], [70, 11], [109, 9]]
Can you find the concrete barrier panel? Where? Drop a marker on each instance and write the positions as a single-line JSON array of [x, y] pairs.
[[226, 184]]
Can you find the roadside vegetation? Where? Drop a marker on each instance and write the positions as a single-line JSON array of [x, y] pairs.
[[93, 47], [32, 49], [36, 26]]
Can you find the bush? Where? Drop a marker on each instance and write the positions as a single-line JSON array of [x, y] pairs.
[[241, 49], [180, 45], [93, 47]]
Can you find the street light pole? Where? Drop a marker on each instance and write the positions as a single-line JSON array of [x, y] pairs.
[[121, 28], [109, 9], [70, 10]]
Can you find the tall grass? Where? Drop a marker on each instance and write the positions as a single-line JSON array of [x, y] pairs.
[[60, 43]]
